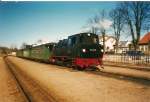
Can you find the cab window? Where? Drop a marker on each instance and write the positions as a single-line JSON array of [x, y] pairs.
[[72, 41]]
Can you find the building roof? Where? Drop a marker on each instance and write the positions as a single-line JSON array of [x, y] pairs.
[[145, 39]]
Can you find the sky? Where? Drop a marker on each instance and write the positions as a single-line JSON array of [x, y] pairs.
[[50, 21]]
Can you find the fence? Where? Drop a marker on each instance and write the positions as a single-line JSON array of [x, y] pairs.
[[126, 59]]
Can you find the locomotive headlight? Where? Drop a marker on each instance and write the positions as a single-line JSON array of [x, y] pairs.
[[84, 50]]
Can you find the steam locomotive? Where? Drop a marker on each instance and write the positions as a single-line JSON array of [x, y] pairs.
[[80, 50]]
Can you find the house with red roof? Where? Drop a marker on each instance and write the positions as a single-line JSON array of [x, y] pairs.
[[144, 43]]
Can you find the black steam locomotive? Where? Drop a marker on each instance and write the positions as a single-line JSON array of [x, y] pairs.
[[80, 50]]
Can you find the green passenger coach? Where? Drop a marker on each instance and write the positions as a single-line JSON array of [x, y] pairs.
[[26, 53], [39, 52], [42, 52], [19, 53]]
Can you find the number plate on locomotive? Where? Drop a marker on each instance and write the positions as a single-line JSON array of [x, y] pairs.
[[92, 49]]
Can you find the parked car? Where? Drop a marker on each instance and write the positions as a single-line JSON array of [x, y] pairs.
[[134, 55]]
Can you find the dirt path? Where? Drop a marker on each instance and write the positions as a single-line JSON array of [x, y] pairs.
[[9, 89], [66, 85]]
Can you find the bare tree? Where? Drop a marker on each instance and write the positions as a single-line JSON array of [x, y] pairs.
[[97, 25], [39, 41], [23, 46], [102, 28], [92, 24], [147, 27], [117, 24], [4, 50], [136, 15], [13, 47]]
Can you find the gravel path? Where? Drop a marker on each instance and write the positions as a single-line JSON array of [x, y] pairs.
[[9, 89], [67, 85]]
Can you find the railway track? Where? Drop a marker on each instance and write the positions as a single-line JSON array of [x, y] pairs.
[[38, 89], [32, 91], [10, 90], [117, 72], [141, 79]]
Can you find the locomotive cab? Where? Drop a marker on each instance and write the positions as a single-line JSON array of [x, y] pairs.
[[84, 45], [85, 49]]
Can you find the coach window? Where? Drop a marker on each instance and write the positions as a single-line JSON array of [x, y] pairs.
[[71, 41]]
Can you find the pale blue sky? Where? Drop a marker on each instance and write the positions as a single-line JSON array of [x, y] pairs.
[[29, 21]]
